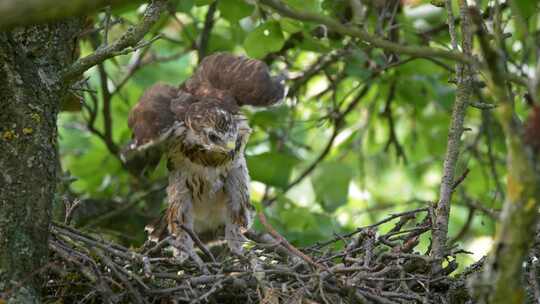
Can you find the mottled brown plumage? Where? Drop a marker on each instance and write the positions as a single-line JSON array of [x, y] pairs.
[[237, 80], [199, 129]]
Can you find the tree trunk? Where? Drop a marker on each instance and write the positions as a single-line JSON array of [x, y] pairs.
[[31, 61]]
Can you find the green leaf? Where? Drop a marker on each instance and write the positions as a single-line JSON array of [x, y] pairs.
[[523, 10], [271, 168], [291, 26], [331, 184], [335, 7], [356, 66], [189, 32], [184, 5], [311, 44], [266, 38], [526, 8], [234, 10], [203, 2], [304, 5], [220, 43], [270, 118]]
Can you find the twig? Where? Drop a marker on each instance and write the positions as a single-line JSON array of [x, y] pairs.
[[458, 181], [198, 242], [286, 243], [482, 105], [207, 30], [377, 270], [392, 138], [129, 41], [106, 111], [70, 207]]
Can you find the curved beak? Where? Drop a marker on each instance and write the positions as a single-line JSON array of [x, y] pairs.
[[230, 145], [226, 147]]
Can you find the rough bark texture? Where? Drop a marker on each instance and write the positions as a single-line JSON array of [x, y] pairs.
[[500, 283], [464, 92], [30, 63]]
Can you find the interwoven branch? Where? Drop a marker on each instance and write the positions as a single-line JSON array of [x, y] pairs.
[[370, 268]]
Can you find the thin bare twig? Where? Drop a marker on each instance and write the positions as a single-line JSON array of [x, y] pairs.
[[392, 138], [286, 243], [207, 30], [198, 242]]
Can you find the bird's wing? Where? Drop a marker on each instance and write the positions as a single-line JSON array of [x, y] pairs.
[[235, 79], [152, 121]]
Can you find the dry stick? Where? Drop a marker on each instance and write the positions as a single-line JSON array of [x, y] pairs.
[[70, 209], [133, 293], [122, 253], [91, 272], [458, 181], [198, 242], [463, 94], [302, 280], [360, 229], [286, 243]]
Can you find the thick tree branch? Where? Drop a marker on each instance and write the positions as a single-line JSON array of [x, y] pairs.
[[416, 51], [515, 234], [18, 13], [29, 59], [128, 42], [463, 95]]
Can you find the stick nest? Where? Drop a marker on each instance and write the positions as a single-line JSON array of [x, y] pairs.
[[364, 266]]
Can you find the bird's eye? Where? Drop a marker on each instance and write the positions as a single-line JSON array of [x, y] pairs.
[[213, 137]]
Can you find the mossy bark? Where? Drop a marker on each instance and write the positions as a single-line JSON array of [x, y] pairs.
[[501, 280], [31, 60]]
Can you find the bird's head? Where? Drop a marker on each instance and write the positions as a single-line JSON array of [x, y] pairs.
[[211, 129]]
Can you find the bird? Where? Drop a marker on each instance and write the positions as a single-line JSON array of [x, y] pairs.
[[199, 128]]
